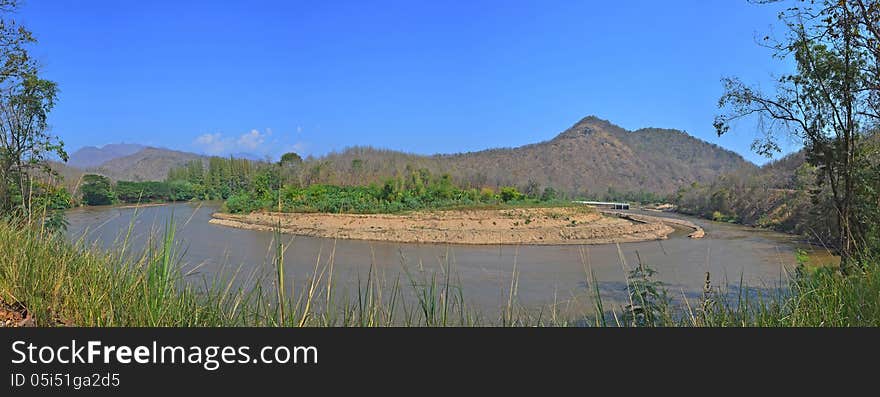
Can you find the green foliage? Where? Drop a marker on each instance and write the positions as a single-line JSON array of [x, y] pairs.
[[509, 193], [415, 190], [487, 194], [96, 190], [252, 186], [181, 190], [815, 297], [443, 189], [26, 146], [243, 202], [290, 158], [265, 183], [192, 172], [801, 257], [140, 192], [50, 202], [222, 178], [549, 194], [132, 192], [649, 304], [717, 216]]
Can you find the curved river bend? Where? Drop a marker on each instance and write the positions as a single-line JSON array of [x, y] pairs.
[[546, 274]]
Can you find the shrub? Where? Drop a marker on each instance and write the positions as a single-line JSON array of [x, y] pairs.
[[243, 202], [549, 194], [509, 193], [487, 195]]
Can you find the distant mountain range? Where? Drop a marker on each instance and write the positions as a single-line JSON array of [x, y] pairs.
[[90, 156], [147, 164], [591, 156], [130, 162]]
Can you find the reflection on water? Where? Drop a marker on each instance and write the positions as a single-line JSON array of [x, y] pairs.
[[546, 274]]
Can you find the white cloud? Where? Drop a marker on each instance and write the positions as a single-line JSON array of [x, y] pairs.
[[213, 143], [253, 142]]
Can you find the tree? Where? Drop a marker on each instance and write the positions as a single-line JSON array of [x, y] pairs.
[[290, 158], [549, 194], [25, 102], [96, 190], [509, 193], [830, 102], [266, 182]]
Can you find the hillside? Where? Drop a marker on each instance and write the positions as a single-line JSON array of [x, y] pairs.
[[588, 158], [774, 196], [91, 156], [148, 164], [124, 161]]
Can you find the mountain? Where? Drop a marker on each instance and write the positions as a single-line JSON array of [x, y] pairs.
[[147, 164], [590, 157], [90, 156], [125, 161]]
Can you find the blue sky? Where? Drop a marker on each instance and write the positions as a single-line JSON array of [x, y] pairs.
[[266, 77]]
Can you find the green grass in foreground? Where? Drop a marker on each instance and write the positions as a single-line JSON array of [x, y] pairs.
[[72, 284]]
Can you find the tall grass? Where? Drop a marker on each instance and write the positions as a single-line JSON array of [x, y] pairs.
[[64, 283], [818, 298]]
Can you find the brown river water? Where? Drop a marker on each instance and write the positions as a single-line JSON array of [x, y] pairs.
[[546, 275]]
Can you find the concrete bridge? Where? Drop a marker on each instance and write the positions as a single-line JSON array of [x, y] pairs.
[[616, 206]]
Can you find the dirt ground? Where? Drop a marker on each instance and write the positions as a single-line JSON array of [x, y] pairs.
[[14, 316], [565, 225]]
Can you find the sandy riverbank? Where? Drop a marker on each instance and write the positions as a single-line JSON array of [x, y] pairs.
[[697, 232], [572, 225]]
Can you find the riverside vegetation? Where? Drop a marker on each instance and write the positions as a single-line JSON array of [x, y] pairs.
[[248, 186]]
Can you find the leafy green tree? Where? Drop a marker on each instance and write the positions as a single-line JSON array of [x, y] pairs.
[[291, 158], [181, 190], [266, 182], [96, 190], [441, 188]]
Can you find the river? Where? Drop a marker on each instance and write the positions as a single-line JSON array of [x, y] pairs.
[[546, 275]]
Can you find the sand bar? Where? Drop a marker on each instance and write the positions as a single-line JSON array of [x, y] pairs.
[[542, 226]]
